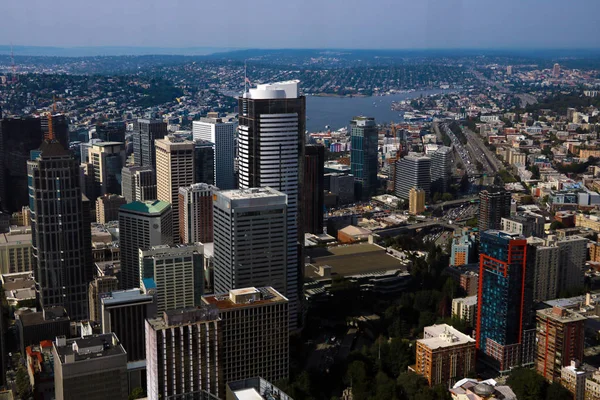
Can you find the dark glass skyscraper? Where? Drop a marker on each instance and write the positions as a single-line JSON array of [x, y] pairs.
[[145, 132], [204, 162], [493, 206], [18, 137], [111, 131], [504, 300], [271, 152], [363, 155], [312, 189], [60, 236]]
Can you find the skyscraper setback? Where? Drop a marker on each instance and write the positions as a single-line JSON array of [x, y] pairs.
[[271, 146], [64, 267]]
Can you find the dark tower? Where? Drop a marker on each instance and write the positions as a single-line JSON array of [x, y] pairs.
[[312, 190]]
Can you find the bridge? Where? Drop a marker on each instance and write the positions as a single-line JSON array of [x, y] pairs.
[[397, 230]]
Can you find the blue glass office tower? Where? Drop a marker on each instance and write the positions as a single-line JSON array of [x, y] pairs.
[[363, 155], [504, 300]]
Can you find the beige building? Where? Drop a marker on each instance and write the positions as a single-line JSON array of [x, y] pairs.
[[573, 378], [465, 309], [16, 252], [21, 218], [444, 355], [107, 207], [174, 169], [99, 286], [416, 201], [260, 316], [587, 221], [592, 386]]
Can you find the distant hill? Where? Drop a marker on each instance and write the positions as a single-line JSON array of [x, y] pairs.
[[108, 51]]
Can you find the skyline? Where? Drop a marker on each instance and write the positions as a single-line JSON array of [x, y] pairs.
[[436, 24]]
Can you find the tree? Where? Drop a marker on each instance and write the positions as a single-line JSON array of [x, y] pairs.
[[556, 225], [410, 384], [447, 197], [527, 384], [556, 391], [22, 381], [137, 393]]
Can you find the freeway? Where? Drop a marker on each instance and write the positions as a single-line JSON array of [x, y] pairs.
[[455, 202], [420, 225], [481, 152]]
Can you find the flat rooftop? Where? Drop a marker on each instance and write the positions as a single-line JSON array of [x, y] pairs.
[[352, 259], [444, 335], [130, 296], [561, 315], [146, 207], [90, 347], [224, 302], [6, 239], [252, 193]]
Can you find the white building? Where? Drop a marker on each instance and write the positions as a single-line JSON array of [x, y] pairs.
[[465, 309], [222, 135]]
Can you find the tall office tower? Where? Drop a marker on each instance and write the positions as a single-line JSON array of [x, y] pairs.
[[111, 131], [416, 201], [177, 273], [97, 288], [107, 207], [363, 155], [250, 239], [108, 159], [571, 263], [560, 339], [18, 137], [174, 169], [138, 183], [124, 312], [93, 367], [556, 70], [504, 301], [59, 232], [493, 206], [260, 316], [60, 128], [313, 189], [222, 135], [196, 213], [145, 132], [545, 260], [444, 355], [441, 169], [204, 162], [195, 333], [141, 226], [271, 146], [412, 171], [342, 185]]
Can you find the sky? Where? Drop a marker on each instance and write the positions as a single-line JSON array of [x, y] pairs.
[[368, 24]]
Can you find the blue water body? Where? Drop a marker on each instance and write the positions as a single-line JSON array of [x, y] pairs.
[[338, 111]]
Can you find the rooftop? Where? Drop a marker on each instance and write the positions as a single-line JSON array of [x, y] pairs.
[[146, 207], [443, 335], [184, 316], [49, 314], [6, 239], [468, 301], [240, 298], [130, 296], [252, 193], [560, 314], [89, 347], [352, 259]]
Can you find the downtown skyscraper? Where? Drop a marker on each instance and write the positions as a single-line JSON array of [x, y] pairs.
[[363, 155], [145, 132], [222, 135], [61, 247], [271, 146]]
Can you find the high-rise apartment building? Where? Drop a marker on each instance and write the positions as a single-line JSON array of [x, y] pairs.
[[444, 355], [113, 131], [222, 135], [250, 239], [524, 224], [107, 207], [416, 201], [571, 263], [504, 300], [545, 262], [363, 155], [441, 169], [18, 137], [141, 226], [97, 288], [271, 146], [412, 172], [493, 206], [560, 339], [182, 353], [313, 189], [556, 70], [204, 162], [196, 213], [177, 272], [174, 169], [61, 237], [93, 367], [145, 132], [124, 312], [138, 183], [260, 317]]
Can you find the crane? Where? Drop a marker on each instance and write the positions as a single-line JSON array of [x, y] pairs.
[[50, 134]]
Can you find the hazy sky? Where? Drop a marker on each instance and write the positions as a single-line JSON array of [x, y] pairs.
[[303, 23]]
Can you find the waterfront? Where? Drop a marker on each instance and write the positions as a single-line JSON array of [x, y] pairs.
[[338, 111]]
